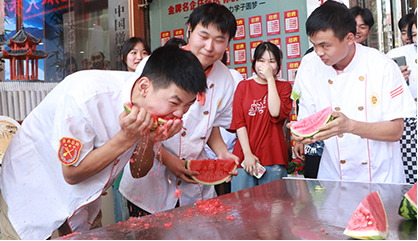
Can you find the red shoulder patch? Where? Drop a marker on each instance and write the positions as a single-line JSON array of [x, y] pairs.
[[69, 150]]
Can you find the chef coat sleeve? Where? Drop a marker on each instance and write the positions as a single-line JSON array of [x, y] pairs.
[[397, 99], [72, 122], [304, 89], [224, 105]]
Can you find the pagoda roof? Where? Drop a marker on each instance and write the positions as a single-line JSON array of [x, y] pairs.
[[36, 54], [22, 36]]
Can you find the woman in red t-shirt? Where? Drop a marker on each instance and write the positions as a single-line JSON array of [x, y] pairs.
[[261, 105]]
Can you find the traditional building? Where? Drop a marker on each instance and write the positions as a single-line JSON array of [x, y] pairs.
[[22, 52]]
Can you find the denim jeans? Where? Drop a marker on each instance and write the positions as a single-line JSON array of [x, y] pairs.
[[120, 206], [245, 180]]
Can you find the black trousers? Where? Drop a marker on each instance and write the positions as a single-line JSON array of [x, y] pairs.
[[311, 166]]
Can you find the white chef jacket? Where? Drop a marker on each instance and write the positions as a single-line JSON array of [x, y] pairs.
[[86, 106], [410, 54], [370, 89], [155, 191]]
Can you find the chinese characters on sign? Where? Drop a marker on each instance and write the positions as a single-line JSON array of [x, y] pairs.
[[165, 36], [178, 33], [253, 46], [291, 19], [228, 56], [273, 24], [291, 70], [276, 41], [119, 15], [240, 53], [240, 34], [293, 47], [255, 27], [242, 71]]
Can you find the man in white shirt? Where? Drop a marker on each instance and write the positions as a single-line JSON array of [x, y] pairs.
[[210, 27], [73, 145], [366, 91]]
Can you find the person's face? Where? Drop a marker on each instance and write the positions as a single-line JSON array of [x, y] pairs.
[[404, 36], [331, 50], [363, 30], [266, 58], [97, 60], [414, 33], [135, 56], [207, 43], [166, 103]]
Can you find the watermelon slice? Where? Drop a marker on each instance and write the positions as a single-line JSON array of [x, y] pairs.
[[308, 127], [408, 206], [369, 220], [211, 171], [158, 122]]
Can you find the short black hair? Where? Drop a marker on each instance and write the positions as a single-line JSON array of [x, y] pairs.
[[176, 42], [405, 21], [267, 46], [414, 22], [129, 45], [216, 14], [170, 64], [365, 13], [331, 15]]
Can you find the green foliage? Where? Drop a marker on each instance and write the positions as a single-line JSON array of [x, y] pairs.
[[295, 167]]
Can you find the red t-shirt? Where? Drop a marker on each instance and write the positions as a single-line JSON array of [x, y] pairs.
[[265, 133]]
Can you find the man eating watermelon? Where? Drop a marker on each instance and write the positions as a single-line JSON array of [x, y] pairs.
[[71, 148], [368, 96]]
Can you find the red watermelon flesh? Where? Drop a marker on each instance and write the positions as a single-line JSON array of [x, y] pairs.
[[158, 121], [211, 171], [408, 206], [308, 127], [369, 220]]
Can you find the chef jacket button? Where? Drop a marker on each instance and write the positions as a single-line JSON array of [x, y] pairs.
[[415, 99], [117, 161], [361, 78], [203, 137], [342, 161], [330, 82], [178, 183], [340, 135], [337, 108], [211, 86], [364, 163], [360, 108], [415, 60], [183, 133], [206, 112]]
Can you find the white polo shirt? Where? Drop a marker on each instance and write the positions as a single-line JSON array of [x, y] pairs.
[[85, 106], [155, 191], [410, 54], [370, 89]]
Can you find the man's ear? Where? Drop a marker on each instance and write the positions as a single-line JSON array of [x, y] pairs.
[[189, 30], [143, 86], [350, 38]]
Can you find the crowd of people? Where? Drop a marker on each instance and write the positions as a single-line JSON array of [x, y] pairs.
[[81, 141]]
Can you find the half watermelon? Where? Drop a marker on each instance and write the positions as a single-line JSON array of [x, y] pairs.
[[369, 220], [408, 206], [308, 127], [211, 171]]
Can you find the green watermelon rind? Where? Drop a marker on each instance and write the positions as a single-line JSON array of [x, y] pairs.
[[209, 183], [369, 234], [330, 118], [154, 126], [408, 207]]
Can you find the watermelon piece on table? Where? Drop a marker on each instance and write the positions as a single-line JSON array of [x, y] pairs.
[[369, 220], [211, 171], [408, 206], [308, 127]]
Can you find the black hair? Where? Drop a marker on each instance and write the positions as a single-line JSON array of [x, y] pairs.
[[176, 42], [365, 13], [171, 64], [331, 15], [69, 61], [129, 45], [405, 20], [272, 48], [216, 14], [224, 58], [414, 21]]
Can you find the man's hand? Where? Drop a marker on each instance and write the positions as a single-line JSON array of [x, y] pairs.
[[166, 131], [229, 156], [299, 151], [405, 72]]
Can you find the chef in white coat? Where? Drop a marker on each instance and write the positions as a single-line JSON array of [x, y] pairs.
[[367, 93]]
